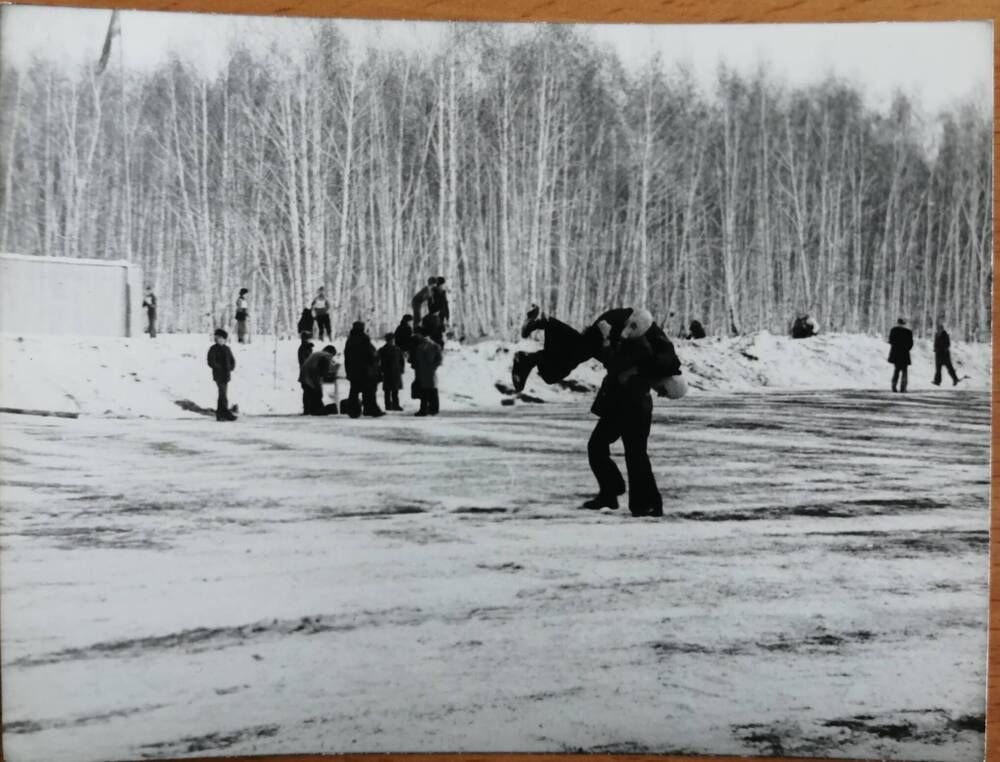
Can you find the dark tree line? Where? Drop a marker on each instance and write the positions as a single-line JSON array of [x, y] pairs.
[[524, 167]]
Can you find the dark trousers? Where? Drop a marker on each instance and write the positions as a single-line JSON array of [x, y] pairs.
[[391, 398], [430, 403], [152, 324], [312, 401], [632, 426], [222, 406], [241, 331], [366, 391], [899, 377], [323, 326], [943, 360]]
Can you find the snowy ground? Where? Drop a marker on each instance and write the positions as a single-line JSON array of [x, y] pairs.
[[818, 587]]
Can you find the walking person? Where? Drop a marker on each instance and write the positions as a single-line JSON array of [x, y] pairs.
[[624, 409], [222, 363], [149, 303], [315, 369], [321, 313], [390, 359], [361, 366], [242, 313], [426, 357], [901, 342], [942, 356]]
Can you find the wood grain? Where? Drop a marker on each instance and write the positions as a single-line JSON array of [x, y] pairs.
[[652, 11]]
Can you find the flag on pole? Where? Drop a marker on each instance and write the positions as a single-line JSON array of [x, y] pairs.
[[114, 28]]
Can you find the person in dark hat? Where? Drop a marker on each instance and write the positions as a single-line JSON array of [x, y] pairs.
[[900, 343], [390, 360], [361, 366], [316, 368], [242, 313], [404, 334], [222, 363], [149, 302]]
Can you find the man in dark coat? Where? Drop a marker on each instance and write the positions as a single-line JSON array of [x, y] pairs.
[[305, 324], [222, 363], [640, 358], [439, 301], [315, 369], [149, 302], [432, 328], [390, 360], [425, 357], [305, 347], [361, 365], [565, 348], [942, 356], [901, 342], [404, 333], [422, 297]]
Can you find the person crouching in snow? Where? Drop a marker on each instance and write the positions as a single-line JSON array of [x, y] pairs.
[[901, 342], [639, 360], [390, 360], [425, 357], [222, 363], [316, 367]]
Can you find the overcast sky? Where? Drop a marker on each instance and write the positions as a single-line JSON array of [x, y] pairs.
[[936, 63]]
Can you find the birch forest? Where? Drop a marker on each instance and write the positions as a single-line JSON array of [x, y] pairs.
[[529, 167]]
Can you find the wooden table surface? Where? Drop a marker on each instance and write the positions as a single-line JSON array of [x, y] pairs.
[[650, 11]]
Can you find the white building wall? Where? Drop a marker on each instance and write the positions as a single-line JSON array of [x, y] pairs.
[[55, 295]]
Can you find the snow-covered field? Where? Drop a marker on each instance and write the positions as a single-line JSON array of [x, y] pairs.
[[144, 377], [175, 586]]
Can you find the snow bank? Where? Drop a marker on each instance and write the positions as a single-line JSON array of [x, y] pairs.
[[100, 376]]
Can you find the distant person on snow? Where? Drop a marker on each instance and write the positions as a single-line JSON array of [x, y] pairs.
[[361, 366], [391, 363], [942, 356], [432, 327], [425, 357], [404, 334], [803, 327], [305, 347], [305, 324], [901, 342], [439, 302], [317, 368], [422, 297], [565, 348], [696, 330], [321, 312], [639, 359], [222, 363], [242, 313], [149, 303]]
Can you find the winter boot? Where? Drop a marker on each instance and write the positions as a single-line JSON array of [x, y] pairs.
[[654, 512], [600, 501]]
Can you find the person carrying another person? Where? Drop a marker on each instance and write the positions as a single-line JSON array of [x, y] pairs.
[[361, 366], [317, 368], [390, 360], [242, 313], [900, 342], [426, 357], [321, 312], [222, 363], [942, 356]]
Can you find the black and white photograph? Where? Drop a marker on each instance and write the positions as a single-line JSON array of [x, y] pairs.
[[398, 386]]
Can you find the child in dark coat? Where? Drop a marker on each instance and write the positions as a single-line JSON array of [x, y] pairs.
[[222, 363], [390, 360]]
